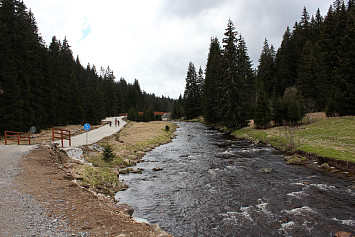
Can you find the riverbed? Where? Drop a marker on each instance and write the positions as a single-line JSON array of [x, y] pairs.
[[209, 184]]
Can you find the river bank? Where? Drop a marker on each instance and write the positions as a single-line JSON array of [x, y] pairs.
[[77, 194], [128, 147], [328, 141]]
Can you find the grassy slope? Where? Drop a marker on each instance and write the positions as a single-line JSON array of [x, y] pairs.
[[333, 138]]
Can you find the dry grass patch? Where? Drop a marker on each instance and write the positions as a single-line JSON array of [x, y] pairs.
[[129, 146]]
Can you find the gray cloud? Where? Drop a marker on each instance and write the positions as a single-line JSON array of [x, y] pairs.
[[189, 8], [155, 40]]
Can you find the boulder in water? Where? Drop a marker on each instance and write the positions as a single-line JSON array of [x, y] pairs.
[[296, 160], [266, 170], [157, 169]]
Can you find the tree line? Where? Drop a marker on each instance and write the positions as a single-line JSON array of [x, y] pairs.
[[313, 70], [45, 86]]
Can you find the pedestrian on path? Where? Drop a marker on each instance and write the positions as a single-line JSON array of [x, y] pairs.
[[110, 123], [115, 122]]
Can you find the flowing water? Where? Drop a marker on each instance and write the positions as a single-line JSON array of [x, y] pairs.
[[210, 185]]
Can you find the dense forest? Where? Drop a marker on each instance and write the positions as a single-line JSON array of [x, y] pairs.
[[45, 86], [313, 70]]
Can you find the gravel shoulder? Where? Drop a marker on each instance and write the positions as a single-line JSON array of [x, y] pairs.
[[40, 198], [20, 213]]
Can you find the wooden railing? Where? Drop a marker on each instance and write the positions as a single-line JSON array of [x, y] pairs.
[[17, 136], [61, 134]]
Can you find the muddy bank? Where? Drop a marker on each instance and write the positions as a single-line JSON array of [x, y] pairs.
[[344, 165]]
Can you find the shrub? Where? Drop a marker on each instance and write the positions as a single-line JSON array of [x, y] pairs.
[[108, 154]]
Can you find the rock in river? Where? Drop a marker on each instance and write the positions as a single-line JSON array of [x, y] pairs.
[[266, 170], [157, 169]]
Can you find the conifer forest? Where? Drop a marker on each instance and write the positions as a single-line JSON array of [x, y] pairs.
[[46, 86], [313, 70]]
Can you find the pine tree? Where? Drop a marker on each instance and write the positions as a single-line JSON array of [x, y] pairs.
[[246, 74], [192, 94], [132, 114], [213, 85], [285, 64], [294, 103], [262, 113], [308, 77], [178, 108], [236, 92], [266, 68], [108, 153]]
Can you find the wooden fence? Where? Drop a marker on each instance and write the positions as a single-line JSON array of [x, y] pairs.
[[17, 136], [61, 134]]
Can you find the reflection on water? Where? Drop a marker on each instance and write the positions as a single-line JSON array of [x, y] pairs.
[[211, 185]]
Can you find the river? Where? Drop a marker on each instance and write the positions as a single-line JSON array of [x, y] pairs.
[[212, 185]]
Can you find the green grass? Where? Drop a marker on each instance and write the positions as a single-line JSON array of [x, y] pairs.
[[101, 178], [333, 138], [98, 161]]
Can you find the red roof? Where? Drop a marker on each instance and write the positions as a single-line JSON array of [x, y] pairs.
[[155, 113]]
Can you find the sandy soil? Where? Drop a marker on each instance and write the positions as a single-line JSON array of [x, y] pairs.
[[80, 209]]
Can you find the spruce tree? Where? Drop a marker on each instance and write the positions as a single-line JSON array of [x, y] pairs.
[[213, 85], [246, 74], [192, 94], [262, 113], [266, 68], [235, 106]]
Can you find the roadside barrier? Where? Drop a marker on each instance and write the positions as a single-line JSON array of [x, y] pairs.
[[61, 134], [17, 136]]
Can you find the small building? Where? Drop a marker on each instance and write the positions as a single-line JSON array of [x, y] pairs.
[[166, 116]]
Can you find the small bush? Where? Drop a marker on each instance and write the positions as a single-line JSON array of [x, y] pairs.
[[108, 154], [167, 128]]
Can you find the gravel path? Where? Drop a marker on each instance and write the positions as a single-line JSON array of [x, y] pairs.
[[21, 214]]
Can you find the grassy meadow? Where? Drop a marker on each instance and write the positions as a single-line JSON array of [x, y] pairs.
[[327, 137]]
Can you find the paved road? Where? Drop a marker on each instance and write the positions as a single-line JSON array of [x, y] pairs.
[[96, 134]]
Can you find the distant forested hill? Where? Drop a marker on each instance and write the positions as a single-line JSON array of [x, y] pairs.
[[45, 86]]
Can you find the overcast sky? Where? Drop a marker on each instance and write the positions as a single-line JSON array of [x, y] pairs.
[[154, 40]]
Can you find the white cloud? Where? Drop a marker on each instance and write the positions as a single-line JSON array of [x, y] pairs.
[[155, 40]]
